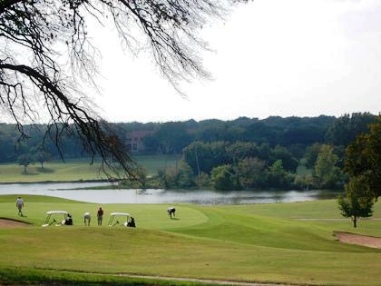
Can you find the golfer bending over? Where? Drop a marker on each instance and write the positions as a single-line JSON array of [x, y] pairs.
[[171, 212], [87, 218]]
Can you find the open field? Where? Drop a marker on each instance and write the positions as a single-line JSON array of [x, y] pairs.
[[285, 243], [74, 170], [52, 172]]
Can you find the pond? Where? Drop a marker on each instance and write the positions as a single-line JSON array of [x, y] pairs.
[[153, 196]]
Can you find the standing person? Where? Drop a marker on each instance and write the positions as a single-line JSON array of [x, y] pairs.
[[87, 218], [100, 216], [20, 205]]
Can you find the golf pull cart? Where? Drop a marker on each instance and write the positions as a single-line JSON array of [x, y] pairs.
[[123, 219], [58, 218]]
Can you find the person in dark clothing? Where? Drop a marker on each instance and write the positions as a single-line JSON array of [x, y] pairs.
[[100, 216], [171, 212], [69, 220], [131, 222]]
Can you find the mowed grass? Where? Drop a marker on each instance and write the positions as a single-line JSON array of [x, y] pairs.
[[75, 170], [52, 172], [289, 243]]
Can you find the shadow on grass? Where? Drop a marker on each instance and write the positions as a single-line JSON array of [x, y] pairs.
[[29, 276], [45, 170], [29, 174]]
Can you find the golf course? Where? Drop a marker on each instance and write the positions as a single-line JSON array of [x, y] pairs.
[[250, 244], [281, 244]]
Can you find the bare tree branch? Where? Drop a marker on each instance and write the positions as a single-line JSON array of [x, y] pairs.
[[35, 35]]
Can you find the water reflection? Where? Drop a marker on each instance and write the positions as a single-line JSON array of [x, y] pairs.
[[68, 191]]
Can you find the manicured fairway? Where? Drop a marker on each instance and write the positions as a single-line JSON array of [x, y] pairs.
[[278, 243]]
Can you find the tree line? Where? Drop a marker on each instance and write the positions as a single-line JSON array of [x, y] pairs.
[[246, 153], [279, 153]]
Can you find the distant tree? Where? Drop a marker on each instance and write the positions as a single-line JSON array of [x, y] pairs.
[[311, 155], [166, 178], [261, 133], [251, 172], [233, 133], [40, 154], [202, 181], [325, 171], [141, 176], [297, 150], [35, 35], [211, 131], [42, 157], [347, 127], [264, 151], [172, 137], [240, 150], [277, 176], [184, 177], [224, 178], [358, 200], [25, 160], [303, 182], [289, 162], [203, 157]]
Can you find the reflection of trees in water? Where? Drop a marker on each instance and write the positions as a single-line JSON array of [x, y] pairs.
[[251, 197], [327, 194], [207, 197]]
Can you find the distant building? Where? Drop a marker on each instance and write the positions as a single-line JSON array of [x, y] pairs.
[[134, 140]]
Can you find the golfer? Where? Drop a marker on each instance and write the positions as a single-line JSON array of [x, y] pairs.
[[20, 205], [171, 212], [100, 216], [87, 218]]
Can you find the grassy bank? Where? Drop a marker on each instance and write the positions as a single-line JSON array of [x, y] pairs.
[[74, 170], [271, 243], [52, 172]]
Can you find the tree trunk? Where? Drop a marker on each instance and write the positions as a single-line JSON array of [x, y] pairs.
[[354, 221]]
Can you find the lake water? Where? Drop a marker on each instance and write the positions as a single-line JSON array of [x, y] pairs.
[[132, 196]]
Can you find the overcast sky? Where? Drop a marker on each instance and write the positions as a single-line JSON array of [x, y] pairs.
[[272, 58]]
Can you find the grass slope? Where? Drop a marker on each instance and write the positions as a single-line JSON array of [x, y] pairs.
[[279, 243], [52, 171], [75, 170]]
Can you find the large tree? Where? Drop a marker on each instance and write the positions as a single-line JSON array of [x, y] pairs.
[[357, 201], [35, 36], [363, 158]]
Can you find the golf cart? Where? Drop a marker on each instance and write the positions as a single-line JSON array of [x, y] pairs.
[[58, 218], [123, 219]]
